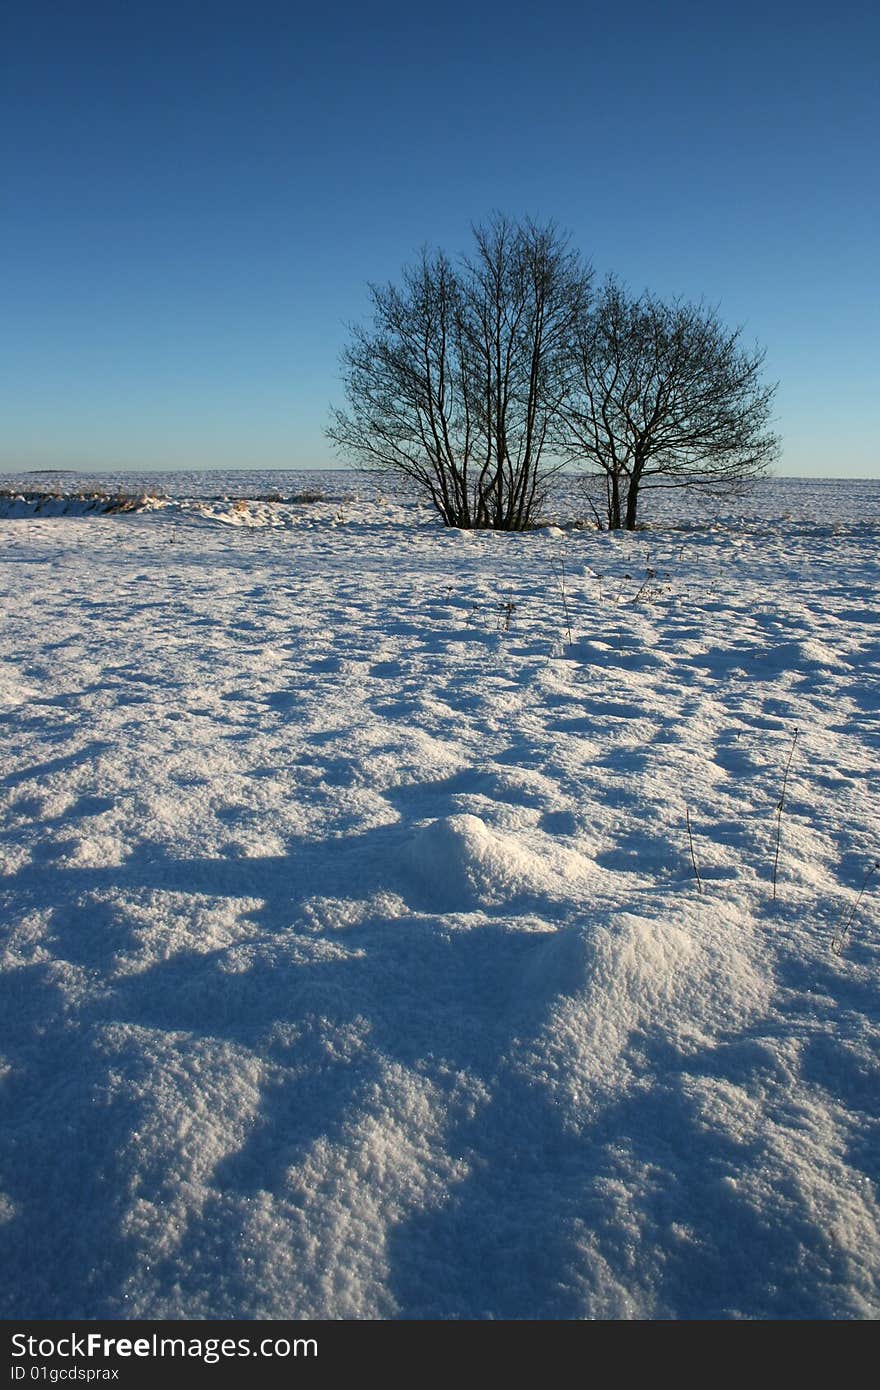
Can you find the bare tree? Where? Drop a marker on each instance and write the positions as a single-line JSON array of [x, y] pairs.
[[664, 396], [460, 376]]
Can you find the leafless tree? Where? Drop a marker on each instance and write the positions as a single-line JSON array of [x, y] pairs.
[[462, 372], [664, 396]]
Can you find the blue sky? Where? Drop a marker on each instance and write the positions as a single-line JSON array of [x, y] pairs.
[[195, 196]]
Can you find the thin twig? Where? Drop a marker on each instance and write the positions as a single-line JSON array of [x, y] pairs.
[[779, 807], [839, 939], [693, 856], [560, 575]]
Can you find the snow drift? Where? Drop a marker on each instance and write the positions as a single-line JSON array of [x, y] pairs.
[[353, 964]]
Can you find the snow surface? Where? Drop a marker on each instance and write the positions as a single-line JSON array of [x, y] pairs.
[[354, 965]]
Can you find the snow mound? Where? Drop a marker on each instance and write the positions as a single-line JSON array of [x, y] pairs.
[[461, 863], [564, 962]]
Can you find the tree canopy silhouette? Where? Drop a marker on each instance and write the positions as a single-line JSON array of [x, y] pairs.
[[664, 396], [479, 380], [460, 377]]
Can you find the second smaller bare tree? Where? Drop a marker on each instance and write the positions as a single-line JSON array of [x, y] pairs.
[[663, 395]]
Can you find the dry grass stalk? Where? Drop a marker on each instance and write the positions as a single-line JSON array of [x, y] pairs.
[[693, 856], [846, 920], [779, 808]]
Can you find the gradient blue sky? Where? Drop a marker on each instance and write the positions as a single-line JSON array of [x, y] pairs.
[[195, 195]]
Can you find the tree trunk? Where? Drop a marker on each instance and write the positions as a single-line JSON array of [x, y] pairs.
[[614, 522], [632, 498]]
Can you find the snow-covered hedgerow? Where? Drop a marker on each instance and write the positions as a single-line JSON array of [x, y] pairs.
[[28, 502]]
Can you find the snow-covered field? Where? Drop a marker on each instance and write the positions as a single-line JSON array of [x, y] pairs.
[[354, 964]]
